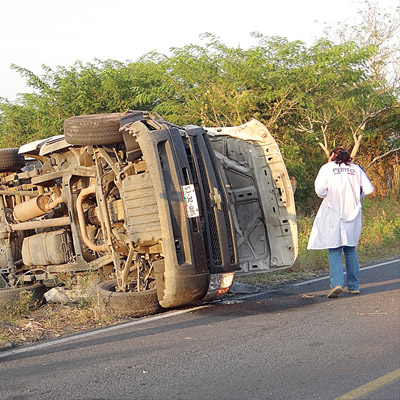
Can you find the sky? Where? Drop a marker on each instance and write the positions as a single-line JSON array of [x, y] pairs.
[[55, 33]]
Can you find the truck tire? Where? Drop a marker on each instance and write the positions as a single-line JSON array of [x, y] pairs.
[[132, 304], [10, 160], [94, 129], [13, 294]]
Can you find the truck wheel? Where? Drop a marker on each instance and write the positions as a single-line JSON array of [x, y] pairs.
[[13, 294], [94, 129], [132, 304], [10, 160]]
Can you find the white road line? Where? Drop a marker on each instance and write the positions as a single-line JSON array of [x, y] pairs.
[[97, 332], [361, 269]]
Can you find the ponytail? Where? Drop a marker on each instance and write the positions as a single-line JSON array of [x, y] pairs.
[[340, 156]]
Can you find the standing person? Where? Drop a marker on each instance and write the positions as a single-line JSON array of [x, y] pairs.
[[337, 226]]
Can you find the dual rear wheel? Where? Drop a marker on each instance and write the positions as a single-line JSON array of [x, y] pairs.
[[133, 303]]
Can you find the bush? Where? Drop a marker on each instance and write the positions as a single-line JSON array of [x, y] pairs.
[[381, 229]]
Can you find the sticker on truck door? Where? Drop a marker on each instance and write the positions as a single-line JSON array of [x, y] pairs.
[[190, 201]]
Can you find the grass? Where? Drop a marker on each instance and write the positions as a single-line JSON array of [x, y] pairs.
[[381, 229], [21, 322]]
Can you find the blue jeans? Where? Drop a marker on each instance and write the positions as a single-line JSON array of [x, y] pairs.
[[336, 267]]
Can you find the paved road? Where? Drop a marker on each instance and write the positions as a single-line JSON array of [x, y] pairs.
[[282, 344]]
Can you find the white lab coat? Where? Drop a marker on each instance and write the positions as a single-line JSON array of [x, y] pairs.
[[338, 221]]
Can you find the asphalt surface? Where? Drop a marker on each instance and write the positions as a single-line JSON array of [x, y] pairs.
[[290, 342]]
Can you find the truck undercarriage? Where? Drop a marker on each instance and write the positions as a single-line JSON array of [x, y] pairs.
[[158, 212]]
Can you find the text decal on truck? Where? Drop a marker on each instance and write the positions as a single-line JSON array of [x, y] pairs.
[[190, 201]]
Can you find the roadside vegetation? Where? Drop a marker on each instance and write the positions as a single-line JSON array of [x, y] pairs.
[[342, 90], [23, 322]]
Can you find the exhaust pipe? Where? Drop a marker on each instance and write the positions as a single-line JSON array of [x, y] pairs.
[[35, 207], [81, 220]]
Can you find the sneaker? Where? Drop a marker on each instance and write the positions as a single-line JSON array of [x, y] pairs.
[[356, 291], [335, 291]]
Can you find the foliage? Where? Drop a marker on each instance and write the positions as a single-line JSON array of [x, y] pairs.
[[381, 226], [99, 87], [331, 93]]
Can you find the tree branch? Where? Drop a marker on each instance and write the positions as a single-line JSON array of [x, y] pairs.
[[381, 156], [357, 141], [324, 146]]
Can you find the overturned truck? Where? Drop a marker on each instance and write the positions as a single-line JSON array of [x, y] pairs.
[[163, 215]]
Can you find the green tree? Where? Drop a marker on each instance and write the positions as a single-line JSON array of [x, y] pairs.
[[98, 87], [333, 92]]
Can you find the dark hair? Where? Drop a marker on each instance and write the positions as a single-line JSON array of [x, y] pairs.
[[340, 156]]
